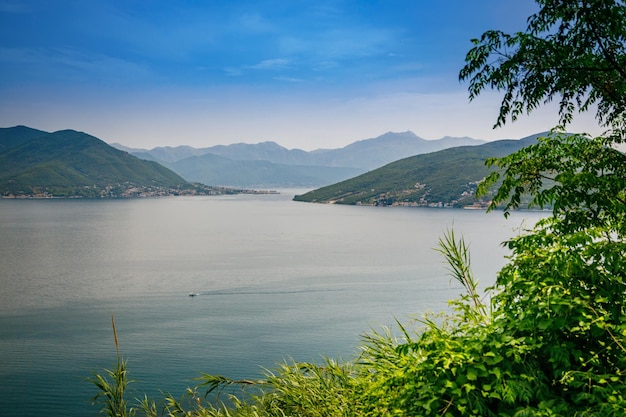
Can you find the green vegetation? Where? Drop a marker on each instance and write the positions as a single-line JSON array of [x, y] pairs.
[[73, 164], [550, 339], [111, 389], [444, 178], [70, 163]]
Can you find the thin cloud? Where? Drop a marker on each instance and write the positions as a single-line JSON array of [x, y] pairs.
[[67, 64], [233, 72], [272, 64], [15, 7], [290, 79], [254, 23], [338, 44], [325, 66]]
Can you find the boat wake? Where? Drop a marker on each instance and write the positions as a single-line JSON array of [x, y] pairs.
[[245, 291]]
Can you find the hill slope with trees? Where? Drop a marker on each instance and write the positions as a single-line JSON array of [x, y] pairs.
[[68, 163], [421, 180]]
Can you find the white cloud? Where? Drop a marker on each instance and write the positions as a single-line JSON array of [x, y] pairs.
[[290, 79], [272, 64]]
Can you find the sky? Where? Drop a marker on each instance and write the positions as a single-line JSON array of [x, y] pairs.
[[306, 74]]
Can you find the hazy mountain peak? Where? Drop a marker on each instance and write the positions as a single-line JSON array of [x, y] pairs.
[[392, 136], [458, 137]]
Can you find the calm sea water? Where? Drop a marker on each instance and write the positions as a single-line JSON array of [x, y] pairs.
[[276, 279]]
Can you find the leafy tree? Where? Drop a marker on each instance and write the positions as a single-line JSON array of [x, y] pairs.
[[554, 340], [563, 293], [573, 51]]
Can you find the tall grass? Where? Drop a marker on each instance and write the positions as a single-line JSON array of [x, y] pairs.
[[391, 376], [112, 386]]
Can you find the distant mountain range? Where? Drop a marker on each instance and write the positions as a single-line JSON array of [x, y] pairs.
[[445, 178], [268, 164], [67, 163]]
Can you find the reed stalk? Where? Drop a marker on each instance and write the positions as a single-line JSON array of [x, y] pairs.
[[112, 386]]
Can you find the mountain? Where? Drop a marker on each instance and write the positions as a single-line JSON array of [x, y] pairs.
[[162, 154], [217, 170], [445, 178], [264, 151], [392, 146], [365, 154], [14, 136], [70, 163], [268, 164]]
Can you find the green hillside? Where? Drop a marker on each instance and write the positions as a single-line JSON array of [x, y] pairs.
[[68, 163], [445, 178], [14, 136]]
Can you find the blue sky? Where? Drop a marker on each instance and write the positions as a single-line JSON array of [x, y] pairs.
[[305, 74]]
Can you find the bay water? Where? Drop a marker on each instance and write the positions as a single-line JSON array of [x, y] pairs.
[[275, 280]]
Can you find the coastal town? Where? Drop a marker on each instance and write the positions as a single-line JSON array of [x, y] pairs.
[[129, 190]]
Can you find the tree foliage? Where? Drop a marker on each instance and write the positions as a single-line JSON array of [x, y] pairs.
[[582, 179], [572, 51]]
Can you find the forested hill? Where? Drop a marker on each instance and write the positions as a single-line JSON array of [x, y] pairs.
[[444, 178], [68, 163]]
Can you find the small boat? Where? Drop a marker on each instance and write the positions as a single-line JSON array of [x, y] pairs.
[[193, 294]]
